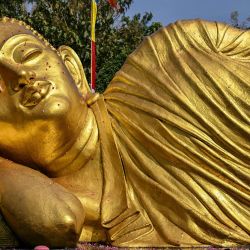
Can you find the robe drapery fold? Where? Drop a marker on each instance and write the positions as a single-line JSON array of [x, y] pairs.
[[179, 109]]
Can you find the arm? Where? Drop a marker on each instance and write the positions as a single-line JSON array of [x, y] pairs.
[[38, 210]]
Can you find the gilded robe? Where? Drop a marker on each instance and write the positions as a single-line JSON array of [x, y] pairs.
[[179, 111]]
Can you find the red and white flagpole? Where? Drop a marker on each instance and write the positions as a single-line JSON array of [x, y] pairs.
[[93, 45], [94, 3]]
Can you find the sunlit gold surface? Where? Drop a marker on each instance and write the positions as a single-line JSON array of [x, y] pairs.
[[160, 159]]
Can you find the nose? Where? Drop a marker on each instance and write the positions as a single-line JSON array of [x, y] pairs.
[[22, 77]]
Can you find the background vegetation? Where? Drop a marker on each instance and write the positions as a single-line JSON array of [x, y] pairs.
[[68, 22], [237, 23]]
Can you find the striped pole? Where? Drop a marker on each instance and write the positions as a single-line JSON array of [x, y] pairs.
[[93, 45], [94, 3]]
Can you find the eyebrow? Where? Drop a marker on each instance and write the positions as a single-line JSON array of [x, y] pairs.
[[29, 39], [31, 45]]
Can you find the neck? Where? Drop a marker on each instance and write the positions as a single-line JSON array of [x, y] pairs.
[[81, 151]]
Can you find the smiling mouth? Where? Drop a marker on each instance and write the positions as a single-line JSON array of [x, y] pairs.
[[34, 94]]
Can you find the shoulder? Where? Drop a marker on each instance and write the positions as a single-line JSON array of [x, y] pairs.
[[206, 35], [218, 32]]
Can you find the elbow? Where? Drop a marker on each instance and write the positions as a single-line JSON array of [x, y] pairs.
[[67, 229], [70, 225], [62, 231], [64, 228]]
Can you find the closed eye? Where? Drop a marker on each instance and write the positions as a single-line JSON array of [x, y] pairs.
[[30, 55]]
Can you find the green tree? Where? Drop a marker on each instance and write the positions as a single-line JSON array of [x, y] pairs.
[[68, 22], [15, 8]]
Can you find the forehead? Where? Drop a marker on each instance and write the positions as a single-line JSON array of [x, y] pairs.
[[13, 28], [8, 30]]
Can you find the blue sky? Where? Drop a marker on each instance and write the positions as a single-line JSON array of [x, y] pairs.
[[167, 11]]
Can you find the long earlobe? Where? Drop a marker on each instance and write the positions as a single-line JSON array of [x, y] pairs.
[[74, 65]]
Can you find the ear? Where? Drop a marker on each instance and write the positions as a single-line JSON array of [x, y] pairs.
[[74, 66]]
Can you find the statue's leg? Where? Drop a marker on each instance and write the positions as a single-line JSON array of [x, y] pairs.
[[7, 237]]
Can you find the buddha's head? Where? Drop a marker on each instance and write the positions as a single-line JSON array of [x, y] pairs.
[[42, 92]]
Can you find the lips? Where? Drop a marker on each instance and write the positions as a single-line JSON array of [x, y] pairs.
[[34, 94]]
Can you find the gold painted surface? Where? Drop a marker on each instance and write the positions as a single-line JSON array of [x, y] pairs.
[[160, 159]]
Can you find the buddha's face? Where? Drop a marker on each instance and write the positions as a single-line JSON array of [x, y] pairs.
[[34, 79], [40, 105]]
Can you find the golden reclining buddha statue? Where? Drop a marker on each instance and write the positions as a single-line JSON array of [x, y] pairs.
[[160, 159]]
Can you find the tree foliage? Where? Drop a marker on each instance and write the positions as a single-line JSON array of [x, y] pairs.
[[235, 20], [68, 22]]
